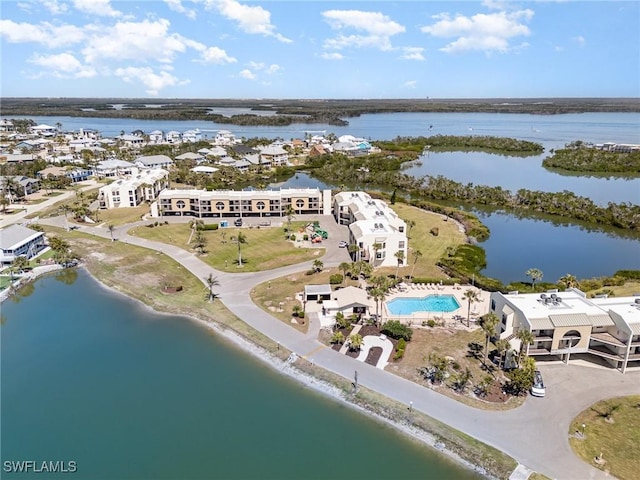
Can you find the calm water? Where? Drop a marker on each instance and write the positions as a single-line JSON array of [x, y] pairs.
[[91, 377]]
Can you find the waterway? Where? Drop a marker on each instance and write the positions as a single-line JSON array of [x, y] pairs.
[[92, 377]]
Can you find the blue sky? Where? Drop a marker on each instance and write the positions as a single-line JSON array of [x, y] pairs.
[[319, 49]]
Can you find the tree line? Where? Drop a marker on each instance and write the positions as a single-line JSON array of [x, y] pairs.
[[578, 157]]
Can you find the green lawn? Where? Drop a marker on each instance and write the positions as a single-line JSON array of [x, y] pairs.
[[420, 238], [265, 249], [122, 216], [616, 439]]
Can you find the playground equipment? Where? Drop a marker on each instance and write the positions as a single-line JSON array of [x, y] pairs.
[[319, 231]]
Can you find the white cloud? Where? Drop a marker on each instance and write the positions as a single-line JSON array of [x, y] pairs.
[[63, 65], [49, 35], [176, 6], [484, 32], [101, 8], [146, 41], [154, 82], [54, 6], [216, 55], [410, 84], [272, 69], [248, 74], [332, 56], [580, 40], [412, 53], [377, 29], [250, 19]]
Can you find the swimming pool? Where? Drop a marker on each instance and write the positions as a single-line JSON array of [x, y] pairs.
[[430, 303]]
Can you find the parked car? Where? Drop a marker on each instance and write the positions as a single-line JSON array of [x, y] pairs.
[[538, 389], [343, 244], [237, 222]]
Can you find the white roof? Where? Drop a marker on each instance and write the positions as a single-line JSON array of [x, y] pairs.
[[204, 169], [16, 235]]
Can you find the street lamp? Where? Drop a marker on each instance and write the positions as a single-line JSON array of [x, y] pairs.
[[583, 427]]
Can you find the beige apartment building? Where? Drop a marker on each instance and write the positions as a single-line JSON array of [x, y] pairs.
[[568, 323], [240, 203]]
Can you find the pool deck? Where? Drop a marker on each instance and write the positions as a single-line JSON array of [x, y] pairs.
[[457, 317]]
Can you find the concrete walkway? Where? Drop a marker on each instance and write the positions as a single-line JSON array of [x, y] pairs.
[[535, 434]]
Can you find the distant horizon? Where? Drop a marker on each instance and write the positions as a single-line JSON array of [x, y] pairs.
[[295, 49], [302, 99]]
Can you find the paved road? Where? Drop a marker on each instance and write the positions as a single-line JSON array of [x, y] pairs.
[[535, 434]]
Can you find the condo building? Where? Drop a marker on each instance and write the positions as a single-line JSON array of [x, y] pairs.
[[242, 203], [568, 323], [377, 230]]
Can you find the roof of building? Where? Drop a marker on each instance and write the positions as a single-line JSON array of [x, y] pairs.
[[15, 235], [324, 289], [153, 159], [351, 295], [189, 156]]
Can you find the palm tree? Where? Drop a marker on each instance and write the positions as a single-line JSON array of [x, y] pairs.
[[66, 209], [471, 296], [318, 265], [526, 338], [289, 213], [111, 229], [489, 323], [400, 256], [502, 345], [344, 267], [355, 341], [416, 255], [569, 281], [353, 248], [535, 275], [240, 239], [410, 225], [212, 282], [378, 294]]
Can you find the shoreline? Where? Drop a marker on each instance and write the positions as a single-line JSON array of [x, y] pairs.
[[308, 380], [32, 276]]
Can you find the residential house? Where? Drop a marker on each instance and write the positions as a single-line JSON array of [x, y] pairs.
[[276, 155], [195, 157], [156, 137], [16, 241], [144, 185], [74, 174], [568, 324], [173, 137], [349, 301], [240, 203], [192, 136], [27, 185], [115, 168], [154, 161], [44, 130], [135, 141], [6, 126], [17, 158], [375, 228], [225, 138]]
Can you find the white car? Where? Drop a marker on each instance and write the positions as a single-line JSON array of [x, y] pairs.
[[343, 244], [537, 390]]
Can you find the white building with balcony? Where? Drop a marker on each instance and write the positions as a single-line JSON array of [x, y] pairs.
[[141, 186], [377, 230]]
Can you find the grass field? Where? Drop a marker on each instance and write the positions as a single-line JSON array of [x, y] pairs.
[[614, 439], [421, 238], [122, 216], [266, 248]]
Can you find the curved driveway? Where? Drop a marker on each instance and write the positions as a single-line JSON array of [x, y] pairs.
[[535, 434]]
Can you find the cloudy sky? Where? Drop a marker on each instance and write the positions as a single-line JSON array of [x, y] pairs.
[[319, 49]]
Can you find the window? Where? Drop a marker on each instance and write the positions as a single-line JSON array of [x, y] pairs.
[[299, 203], [180, 204], [260, 205], [220, 205], [493, 305], [401, 244]]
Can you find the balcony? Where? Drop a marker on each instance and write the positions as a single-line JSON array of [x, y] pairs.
[[604, 352]]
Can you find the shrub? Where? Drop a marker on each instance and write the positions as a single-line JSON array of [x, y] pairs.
[[336, 279], [435, 231], [628, 274], [305, 237], [292, 237], [310, 272], [431, 322], [397, 330], [210, 226]]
